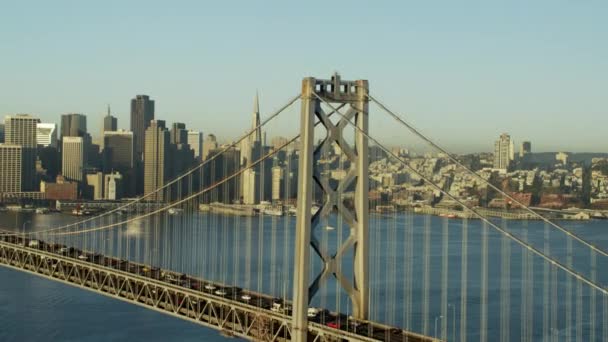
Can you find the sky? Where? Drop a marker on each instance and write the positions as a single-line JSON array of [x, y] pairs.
[[461, 71]]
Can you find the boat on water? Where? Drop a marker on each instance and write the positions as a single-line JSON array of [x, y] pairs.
[[272, 211], [175, 211], [292, 211], [448, 215], [81, 211]]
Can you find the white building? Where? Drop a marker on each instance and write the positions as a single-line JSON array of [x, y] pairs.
[[503, 152], [46, 134], [195, 141], [113, 186], [73, 158]]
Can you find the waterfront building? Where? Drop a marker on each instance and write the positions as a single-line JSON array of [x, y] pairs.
[[503, 152], [60, 190]]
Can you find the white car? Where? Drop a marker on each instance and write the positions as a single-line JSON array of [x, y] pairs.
[[313, 312], [83, 257]]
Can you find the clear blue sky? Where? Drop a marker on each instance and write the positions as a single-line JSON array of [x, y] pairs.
[[462, 71]]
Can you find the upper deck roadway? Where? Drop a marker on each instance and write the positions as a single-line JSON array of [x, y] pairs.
[[232, 310]]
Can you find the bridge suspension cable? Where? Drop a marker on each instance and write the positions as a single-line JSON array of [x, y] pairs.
[[455, 160], [502, 231]]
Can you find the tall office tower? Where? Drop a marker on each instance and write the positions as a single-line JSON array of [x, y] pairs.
[[1, 133], [142, 113], [526, 148], [46, 134], [195, 142], [209, 145], [251, 150], [225, 162], [277, 183], [179, 134], [156, 158], [118, 156], [21, 130], [110, 123], [73, 158], [10, 167], [503, 152], [95, 186], [73, 125]]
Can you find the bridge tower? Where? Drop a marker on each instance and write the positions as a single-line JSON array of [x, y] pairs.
[[352, 95]]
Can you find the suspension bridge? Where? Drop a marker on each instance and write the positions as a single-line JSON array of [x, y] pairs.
[[338, 269]]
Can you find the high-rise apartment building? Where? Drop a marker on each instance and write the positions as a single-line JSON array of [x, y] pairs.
[[526, 148], [503, 152], [10, 167], [46, 134], [21, 130], [73, 158], [195, 142], [1, 133], [156, 158], [73, 125]]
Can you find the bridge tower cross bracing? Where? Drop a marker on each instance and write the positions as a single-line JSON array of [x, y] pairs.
[[353, 95]]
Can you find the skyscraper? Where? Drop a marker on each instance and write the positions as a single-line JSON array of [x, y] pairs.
[[156, 158], [1, 133], [179, 134], [110, 123], [526, 148], [251, 150], [46, 134], [10, 168], [73, 158], [209, 145], [21, 130], [195, 141], [118, 156], [503, 152], [73, 125], [142, 113]]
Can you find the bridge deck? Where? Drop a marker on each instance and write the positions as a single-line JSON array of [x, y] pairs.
[[233, 311]]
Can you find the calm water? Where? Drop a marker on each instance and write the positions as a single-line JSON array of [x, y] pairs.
[[256, 254]]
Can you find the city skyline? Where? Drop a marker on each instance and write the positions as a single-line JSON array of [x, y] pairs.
[[535, 70]]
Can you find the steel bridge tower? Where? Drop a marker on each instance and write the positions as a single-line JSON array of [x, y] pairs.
[[352, 95]]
